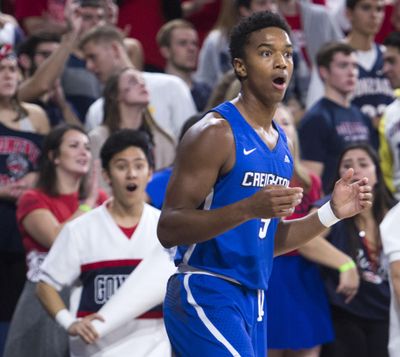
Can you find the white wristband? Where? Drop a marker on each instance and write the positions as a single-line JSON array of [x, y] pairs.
[[326, 215], [65, 318]]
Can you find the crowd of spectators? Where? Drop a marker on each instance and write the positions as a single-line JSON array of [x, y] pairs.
[[82, 70]]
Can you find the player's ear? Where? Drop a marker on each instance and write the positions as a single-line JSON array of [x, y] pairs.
[[239, 67]]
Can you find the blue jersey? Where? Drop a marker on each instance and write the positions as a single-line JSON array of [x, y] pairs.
[[245, 252]]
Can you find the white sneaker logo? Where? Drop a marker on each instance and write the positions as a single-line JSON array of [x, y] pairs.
[[248, 152], [287, 159]]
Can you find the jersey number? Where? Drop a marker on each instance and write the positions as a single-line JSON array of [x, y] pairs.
[[262, 233]]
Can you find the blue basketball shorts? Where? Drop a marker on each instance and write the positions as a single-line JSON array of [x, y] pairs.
[[209, 316]]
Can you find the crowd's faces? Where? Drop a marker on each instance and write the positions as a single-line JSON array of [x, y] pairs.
[[342, 73], [184, 49], [43, 51], [91, 17], [362, 164], [74, 156], [391, 66], [9, 77], [101, 59], [367, 16], [132, 88], [267, 65], [128, 174]]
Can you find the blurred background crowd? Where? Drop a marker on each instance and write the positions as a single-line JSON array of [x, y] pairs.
[[156, 66]]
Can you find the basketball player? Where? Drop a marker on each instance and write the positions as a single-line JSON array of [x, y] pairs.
[[227, 193]]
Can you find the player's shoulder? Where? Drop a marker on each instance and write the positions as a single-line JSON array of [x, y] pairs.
[[210, 142], [212, 126]]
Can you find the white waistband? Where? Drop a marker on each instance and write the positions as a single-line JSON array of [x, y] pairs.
[[184, 268]]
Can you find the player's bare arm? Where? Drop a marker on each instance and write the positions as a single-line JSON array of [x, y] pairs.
[[207, 152], [348, 199]]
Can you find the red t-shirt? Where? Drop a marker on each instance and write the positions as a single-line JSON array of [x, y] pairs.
[[61, 206]]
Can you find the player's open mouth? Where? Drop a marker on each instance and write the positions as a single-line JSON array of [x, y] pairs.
[[279, 82], [131, 187]]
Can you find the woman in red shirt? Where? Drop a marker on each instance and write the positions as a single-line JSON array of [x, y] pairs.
[[63, 192]]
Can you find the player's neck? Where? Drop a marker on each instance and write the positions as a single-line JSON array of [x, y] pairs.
[[254, 111]]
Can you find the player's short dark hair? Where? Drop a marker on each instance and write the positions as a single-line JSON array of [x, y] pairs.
[[393, 40], [123, 139], [241, 32], [327, 51]]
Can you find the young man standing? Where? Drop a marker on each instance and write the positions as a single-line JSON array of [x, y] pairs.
[[179, 45], [373, 91], [225, 199], [101, 249], [333, 122]]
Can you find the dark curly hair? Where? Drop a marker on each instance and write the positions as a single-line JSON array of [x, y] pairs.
[[241, 32]]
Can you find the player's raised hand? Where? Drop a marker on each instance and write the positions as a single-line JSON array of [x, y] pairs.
[[84, 329], [350, 197], [275, 201]]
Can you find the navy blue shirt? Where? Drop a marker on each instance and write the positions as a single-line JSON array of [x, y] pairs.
[[19, 155], [373, 91], [325, 130], [372, 300]]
